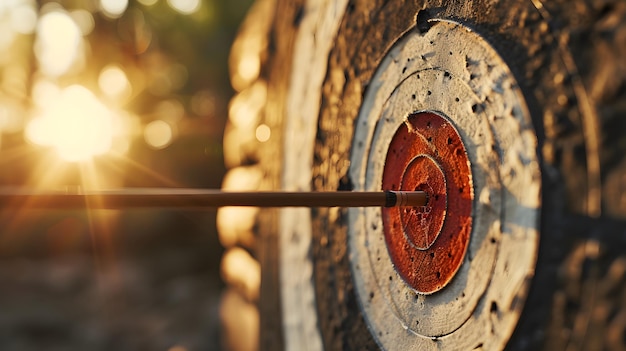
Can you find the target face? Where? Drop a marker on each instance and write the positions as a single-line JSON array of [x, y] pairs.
[[444, 114]]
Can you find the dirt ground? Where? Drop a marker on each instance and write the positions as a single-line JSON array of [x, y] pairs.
[[158, 289]]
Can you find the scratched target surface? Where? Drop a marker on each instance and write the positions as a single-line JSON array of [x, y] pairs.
[[466, 276]]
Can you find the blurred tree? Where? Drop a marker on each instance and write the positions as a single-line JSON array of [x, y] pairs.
[[110, 93]]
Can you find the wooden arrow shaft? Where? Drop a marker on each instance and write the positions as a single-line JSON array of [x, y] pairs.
[[203, 198]]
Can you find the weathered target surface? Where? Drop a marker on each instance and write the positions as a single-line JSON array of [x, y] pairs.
[[426, 246], [453, 74]]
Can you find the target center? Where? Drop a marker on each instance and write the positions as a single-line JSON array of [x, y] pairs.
[[422, 225]]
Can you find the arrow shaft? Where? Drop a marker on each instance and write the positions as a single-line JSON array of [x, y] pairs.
[[203, 198]]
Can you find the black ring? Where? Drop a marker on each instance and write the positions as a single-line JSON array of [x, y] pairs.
[[390, 198]]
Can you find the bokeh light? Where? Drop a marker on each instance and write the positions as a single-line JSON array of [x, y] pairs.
[[114, 83], [147, 2], [170, 110], [263, 133], [185, 7], [158, 134], [113, 8], [84, 20], [16, 17], [59, 40], [76, 124], [203, 103], [23, 17]]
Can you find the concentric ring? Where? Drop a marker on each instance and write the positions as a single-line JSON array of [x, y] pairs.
[[453, 73], [422, 225], [426, 246]]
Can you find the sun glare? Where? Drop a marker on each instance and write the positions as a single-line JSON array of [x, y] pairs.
[[76, 124]]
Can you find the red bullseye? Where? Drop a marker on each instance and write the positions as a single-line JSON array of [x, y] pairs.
[[427, 244], [422, 225]]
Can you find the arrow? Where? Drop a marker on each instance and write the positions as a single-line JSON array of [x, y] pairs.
[[204, 198]]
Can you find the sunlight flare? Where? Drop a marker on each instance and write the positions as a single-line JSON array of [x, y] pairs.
[[76, 124]]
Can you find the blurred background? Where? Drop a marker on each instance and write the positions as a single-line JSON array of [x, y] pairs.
[[105, 94]]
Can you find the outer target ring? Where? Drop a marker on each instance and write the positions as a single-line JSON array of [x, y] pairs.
[[473, 87]]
